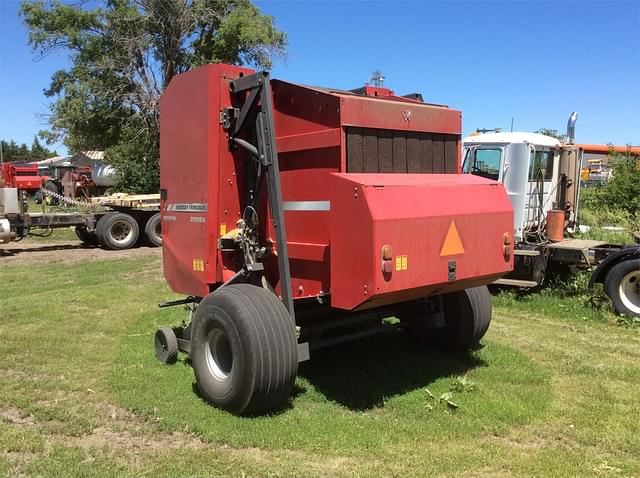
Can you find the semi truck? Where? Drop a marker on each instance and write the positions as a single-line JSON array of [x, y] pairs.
[[296, 217], [543, 180]]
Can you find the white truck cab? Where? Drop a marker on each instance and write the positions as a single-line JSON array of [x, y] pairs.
[[527, 165]]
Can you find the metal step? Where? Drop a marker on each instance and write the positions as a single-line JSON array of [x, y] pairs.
[[526, 252], [516, 283]]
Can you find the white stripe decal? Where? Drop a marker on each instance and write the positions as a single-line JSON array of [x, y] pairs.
[[306, 205], [186, 207]]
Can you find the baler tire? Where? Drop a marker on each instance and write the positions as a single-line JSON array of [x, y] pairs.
[[87, 237], [166, 345], [152, 231], [244, 349], [467, 315], [622, 286], [105, 231]]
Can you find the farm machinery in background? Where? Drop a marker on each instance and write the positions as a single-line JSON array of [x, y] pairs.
[[296, 217], [543, 180], [71, 181], [117, 221]]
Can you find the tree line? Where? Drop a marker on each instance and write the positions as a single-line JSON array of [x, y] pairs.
[[12, 151]]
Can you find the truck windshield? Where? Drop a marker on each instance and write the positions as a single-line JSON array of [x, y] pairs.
[[483, 162]]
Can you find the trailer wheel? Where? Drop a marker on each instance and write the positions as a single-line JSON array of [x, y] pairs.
[[117, 230], [153, 231], [86, 236], [244, 349], [622, 285], [467, 315], [166, 344]]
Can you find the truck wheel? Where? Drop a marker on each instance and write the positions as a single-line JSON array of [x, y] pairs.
[[152, 230], [244, 349], [622, 285], [166, 344], [467, 315], [86, 236], [117, 230]]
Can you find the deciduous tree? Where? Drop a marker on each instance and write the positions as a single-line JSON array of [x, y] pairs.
[[123, 55]]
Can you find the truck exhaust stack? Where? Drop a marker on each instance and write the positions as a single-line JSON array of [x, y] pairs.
[[571, 128]]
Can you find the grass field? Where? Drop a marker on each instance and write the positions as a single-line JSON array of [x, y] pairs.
[[553, 391]]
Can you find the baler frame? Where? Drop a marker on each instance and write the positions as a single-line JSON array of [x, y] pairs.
[[258, 103]]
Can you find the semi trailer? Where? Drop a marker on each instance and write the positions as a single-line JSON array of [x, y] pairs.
[[296, 217], [543, 180], [114, 222]]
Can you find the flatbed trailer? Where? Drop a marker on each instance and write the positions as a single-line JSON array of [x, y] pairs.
[[114, 222]]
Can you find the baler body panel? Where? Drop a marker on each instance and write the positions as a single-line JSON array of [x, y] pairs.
[[431, 222], [334, 241], [195, 163]]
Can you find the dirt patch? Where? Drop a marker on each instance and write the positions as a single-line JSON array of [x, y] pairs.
[[40, 252], [104, 437], [15, 417]]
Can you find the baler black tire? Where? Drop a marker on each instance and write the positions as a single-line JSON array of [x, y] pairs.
[[166, 345], [152, 231], [622, 286], [244, 349], [467, 315], [105, 231], [86, 236]]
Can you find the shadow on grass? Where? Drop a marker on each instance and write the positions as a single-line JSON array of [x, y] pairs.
[[362, 375], [279, 409], [47, 248]]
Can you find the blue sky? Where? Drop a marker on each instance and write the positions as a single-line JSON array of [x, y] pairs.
[[531, 61]]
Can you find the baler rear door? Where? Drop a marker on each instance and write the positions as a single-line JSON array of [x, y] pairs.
[[400, 237]]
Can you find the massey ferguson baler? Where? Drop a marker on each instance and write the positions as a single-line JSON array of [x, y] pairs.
[[295, 217]]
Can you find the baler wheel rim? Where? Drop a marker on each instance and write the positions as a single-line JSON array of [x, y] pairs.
[[219, 354]]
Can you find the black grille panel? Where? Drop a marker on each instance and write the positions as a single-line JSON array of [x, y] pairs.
[[385, 151]]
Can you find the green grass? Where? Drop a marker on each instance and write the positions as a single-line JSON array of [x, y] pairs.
[[81, 394], [600, 217]]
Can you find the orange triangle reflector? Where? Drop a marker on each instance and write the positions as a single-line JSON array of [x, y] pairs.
[[452, 244]]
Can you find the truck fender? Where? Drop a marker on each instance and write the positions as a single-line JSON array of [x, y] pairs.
[[600, 272]]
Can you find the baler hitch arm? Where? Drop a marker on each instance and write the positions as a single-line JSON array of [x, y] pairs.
[[255, 119]]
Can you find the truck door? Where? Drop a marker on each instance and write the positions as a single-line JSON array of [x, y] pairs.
[[543, 179]]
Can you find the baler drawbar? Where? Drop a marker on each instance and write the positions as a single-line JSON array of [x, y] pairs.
[[296, 217]]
